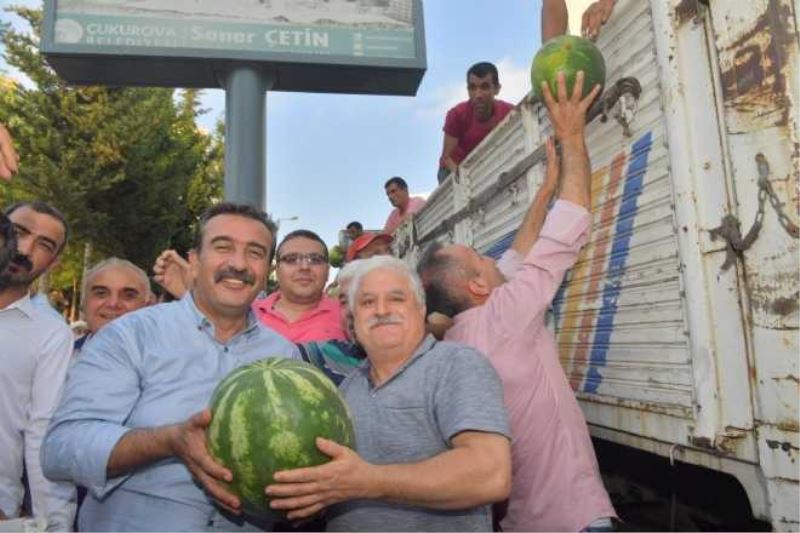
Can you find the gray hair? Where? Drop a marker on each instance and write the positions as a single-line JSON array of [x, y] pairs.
[[349, 271], [387, 262], [114, 262]]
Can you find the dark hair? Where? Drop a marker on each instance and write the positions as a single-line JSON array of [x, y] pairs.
[[480, 70], [242, 210], [355, 224], [304, 234], [436, 270], [43, 208], [397, 180]]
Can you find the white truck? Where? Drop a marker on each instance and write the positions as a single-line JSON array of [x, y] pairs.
[[678, 326]]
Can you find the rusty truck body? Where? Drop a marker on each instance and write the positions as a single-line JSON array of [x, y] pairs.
[[678, 325]]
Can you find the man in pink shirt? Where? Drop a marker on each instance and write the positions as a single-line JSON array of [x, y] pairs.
[[300, 310], [499, 308], [404, 205], [469, 122]]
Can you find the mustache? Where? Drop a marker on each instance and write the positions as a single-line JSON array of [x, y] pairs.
[[383, 320], [22, 261], [232, 273]]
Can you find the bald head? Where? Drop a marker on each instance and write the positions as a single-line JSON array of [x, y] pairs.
[[112, 288]]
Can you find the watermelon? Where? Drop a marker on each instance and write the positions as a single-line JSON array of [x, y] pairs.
[[266, 417], [569, 54], [336, 256]]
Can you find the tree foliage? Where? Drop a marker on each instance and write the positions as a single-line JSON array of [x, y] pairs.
[[129, 167]]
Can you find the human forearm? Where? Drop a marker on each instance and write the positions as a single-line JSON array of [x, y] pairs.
[[533, 221], [141, 447], [554, 19], [457, 479], [576, 182]]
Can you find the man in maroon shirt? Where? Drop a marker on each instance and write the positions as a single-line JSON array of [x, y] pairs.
[[469, 122]]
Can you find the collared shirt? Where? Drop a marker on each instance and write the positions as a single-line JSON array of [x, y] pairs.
[[443, 389], [35, 348], [556, 484], [396, 218], [336, 359], [322, 323], [152, 367]]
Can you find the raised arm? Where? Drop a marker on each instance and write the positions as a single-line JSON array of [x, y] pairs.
[[568, 117], [172, 273], [9, 159], [554, 19], [532, 224]]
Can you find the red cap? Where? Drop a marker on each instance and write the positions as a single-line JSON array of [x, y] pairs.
[[364, 240]]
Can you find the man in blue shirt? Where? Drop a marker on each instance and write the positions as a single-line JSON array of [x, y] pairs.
[[131, 424]]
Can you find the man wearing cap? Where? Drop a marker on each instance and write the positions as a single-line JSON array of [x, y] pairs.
[[368, 245]]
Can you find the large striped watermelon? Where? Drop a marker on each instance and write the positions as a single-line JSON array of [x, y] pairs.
[[266, 417], [569, 54]]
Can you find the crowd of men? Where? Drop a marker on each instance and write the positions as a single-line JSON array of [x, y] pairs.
[[465, 425]]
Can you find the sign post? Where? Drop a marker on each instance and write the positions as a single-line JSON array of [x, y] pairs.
[[247, 47], [245, 134]]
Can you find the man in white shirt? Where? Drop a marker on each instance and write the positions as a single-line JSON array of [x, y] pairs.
[[35, 349]]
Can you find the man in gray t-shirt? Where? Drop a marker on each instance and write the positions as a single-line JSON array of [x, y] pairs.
[[431, 428]]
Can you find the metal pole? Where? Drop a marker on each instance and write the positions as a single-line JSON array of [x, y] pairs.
[[245, 135]]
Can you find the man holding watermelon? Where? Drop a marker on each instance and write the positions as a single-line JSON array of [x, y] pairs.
[[432, 441], [499, 308], [131, 423]]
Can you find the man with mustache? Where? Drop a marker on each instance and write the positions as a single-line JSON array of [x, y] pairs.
[[131, 424], [110, 289], [299, 310], [469, 122], [35, 349], [432, 441]]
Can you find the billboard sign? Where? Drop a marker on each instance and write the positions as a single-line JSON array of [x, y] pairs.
[[359, 46]]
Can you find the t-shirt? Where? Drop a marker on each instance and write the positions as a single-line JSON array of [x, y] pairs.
[[396, 218], [443, 389], [462, 124]]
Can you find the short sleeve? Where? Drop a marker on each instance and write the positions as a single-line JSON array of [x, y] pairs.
[[469, 395]]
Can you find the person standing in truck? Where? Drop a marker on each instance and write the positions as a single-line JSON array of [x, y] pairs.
[[469, 122]]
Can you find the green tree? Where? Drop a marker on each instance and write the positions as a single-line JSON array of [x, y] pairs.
[[129, 167]]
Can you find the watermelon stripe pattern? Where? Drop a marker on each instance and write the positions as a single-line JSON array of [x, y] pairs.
[[266, 417], [567, 53]]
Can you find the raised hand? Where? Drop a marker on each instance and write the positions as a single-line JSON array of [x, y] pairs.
[[595, 16], [9, 160], [568, 113], [172, 273]]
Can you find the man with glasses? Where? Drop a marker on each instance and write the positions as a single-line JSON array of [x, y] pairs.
[[299, 310]]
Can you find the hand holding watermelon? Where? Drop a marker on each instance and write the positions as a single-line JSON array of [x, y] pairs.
[[189, 445], [568, 113], [304, 492]]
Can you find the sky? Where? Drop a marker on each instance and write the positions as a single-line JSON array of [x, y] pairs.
[[328, 155]]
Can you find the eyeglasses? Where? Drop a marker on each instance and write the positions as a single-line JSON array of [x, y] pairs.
[[309, 259]]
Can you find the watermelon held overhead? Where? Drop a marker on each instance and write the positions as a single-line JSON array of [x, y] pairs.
[[266, 417], [569, 54]]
